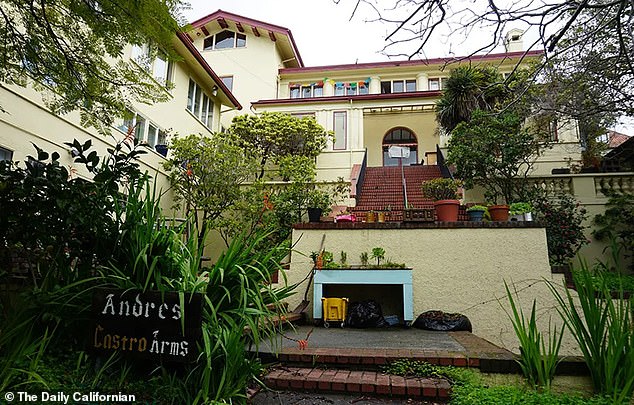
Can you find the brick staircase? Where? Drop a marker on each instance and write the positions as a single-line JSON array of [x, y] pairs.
[[383, 188]]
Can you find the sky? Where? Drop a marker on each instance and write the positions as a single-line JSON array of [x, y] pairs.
[[327, 33]]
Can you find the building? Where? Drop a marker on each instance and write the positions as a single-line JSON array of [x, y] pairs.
[[196, 97], [368, 106]]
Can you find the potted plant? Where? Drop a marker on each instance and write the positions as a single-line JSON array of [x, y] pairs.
[[318, 202], [476, 213], [370, 217], [499, 213], [444, 192], [521, 211]]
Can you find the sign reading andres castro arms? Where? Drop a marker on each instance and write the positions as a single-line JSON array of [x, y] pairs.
[[151, 325]]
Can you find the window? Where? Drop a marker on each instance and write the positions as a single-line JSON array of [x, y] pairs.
[[410, 85], [400, 137], [363, 88], [339, 89], [437, 83], [228, 81], [139, 128], [339, 127], [398, 86], [200, 104], [144, 130], [386, 87], [225, 40], [6, 154], [152, 133], [127, 122], [306, 90], [154, 61]]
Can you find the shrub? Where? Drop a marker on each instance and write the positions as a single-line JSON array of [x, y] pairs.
[[441, 189], [564, 227], [617, 223]]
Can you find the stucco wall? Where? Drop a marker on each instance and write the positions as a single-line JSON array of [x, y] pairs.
[[454, 270]]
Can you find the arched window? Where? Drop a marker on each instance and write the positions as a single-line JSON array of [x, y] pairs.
[[400, 137]]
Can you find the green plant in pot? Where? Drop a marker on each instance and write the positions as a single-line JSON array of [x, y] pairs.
[[520, 211], [476, 213], [444, 192], [318, 203]]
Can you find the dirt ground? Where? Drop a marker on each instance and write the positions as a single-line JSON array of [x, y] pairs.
[[300, 398]]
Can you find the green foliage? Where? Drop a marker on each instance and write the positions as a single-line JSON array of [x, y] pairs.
[[477, 208], [378, 253], [364, 258], [563, 219], [66, 48], [441, 189], [602, 326], [271, 136], [538, 359], [617, 224], [468, 89], [206, 174], [414, 368], [520, 208], [494, 151], [510, 395]]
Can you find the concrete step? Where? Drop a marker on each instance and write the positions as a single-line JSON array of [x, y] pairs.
[[366, 382]]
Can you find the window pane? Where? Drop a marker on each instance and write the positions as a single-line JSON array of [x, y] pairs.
[[210, 115], [363, 89], [294, 92], [397, 86], [339, 90], [386, 87], [139, 128], [434, 84], [162, 138], [241, 40], [410, 85], [159, 70], [306, 93], [340, 131], [6, 154], [318, 91], [208, 43], [225, 39], [228, 81], [351, 91], [151, 135], [190, 95], [197, 100], [203, 116]]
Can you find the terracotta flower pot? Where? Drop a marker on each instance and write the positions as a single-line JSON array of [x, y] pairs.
[[447, 210], [499, 213]]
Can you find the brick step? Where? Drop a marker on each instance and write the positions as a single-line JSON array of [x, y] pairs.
[[367, 382]]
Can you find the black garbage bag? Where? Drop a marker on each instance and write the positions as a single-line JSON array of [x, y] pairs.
[[365, 314], [441, 321]]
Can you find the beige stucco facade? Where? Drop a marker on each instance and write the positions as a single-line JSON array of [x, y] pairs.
[[454, 270]]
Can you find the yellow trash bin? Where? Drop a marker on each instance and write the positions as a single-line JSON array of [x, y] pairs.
[[334, 309]]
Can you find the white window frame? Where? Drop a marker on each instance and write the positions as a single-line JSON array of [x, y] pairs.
[[213, 41], [345, 130], [300, 91], [196, 104], [147, 58]]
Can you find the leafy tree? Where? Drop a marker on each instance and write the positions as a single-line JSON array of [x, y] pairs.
[[71, 50], [271, 136], [494, 151], [207, 174]]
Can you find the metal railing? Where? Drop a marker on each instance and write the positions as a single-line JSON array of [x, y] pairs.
[[440, 161], [361, 176]]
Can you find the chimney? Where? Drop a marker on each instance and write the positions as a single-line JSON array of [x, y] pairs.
[[513, 41]]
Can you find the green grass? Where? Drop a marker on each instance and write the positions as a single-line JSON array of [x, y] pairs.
[[469, 387]]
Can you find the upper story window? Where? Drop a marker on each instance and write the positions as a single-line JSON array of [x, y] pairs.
[[200, 104], [437, 83], [227, 81], [144, 131], [351, 88], [398, 86], [225, 40], [155, 62], [306, 90], [6, 154]]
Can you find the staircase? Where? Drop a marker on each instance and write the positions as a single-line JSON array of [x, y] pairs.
[[382, 190]]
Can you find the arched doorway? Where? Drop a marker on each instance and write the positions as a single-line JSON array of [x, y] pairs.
[[400, 136]]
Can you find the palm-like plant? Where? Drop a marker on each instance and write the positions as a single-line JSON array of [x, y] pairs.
[[466, 90]]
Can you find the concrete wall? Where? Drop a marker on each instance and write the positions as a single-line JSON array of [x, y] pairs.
[[454, 270]]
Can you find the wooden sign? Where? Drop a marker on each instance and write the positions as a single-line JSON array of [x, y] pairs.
[[152, 325]]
